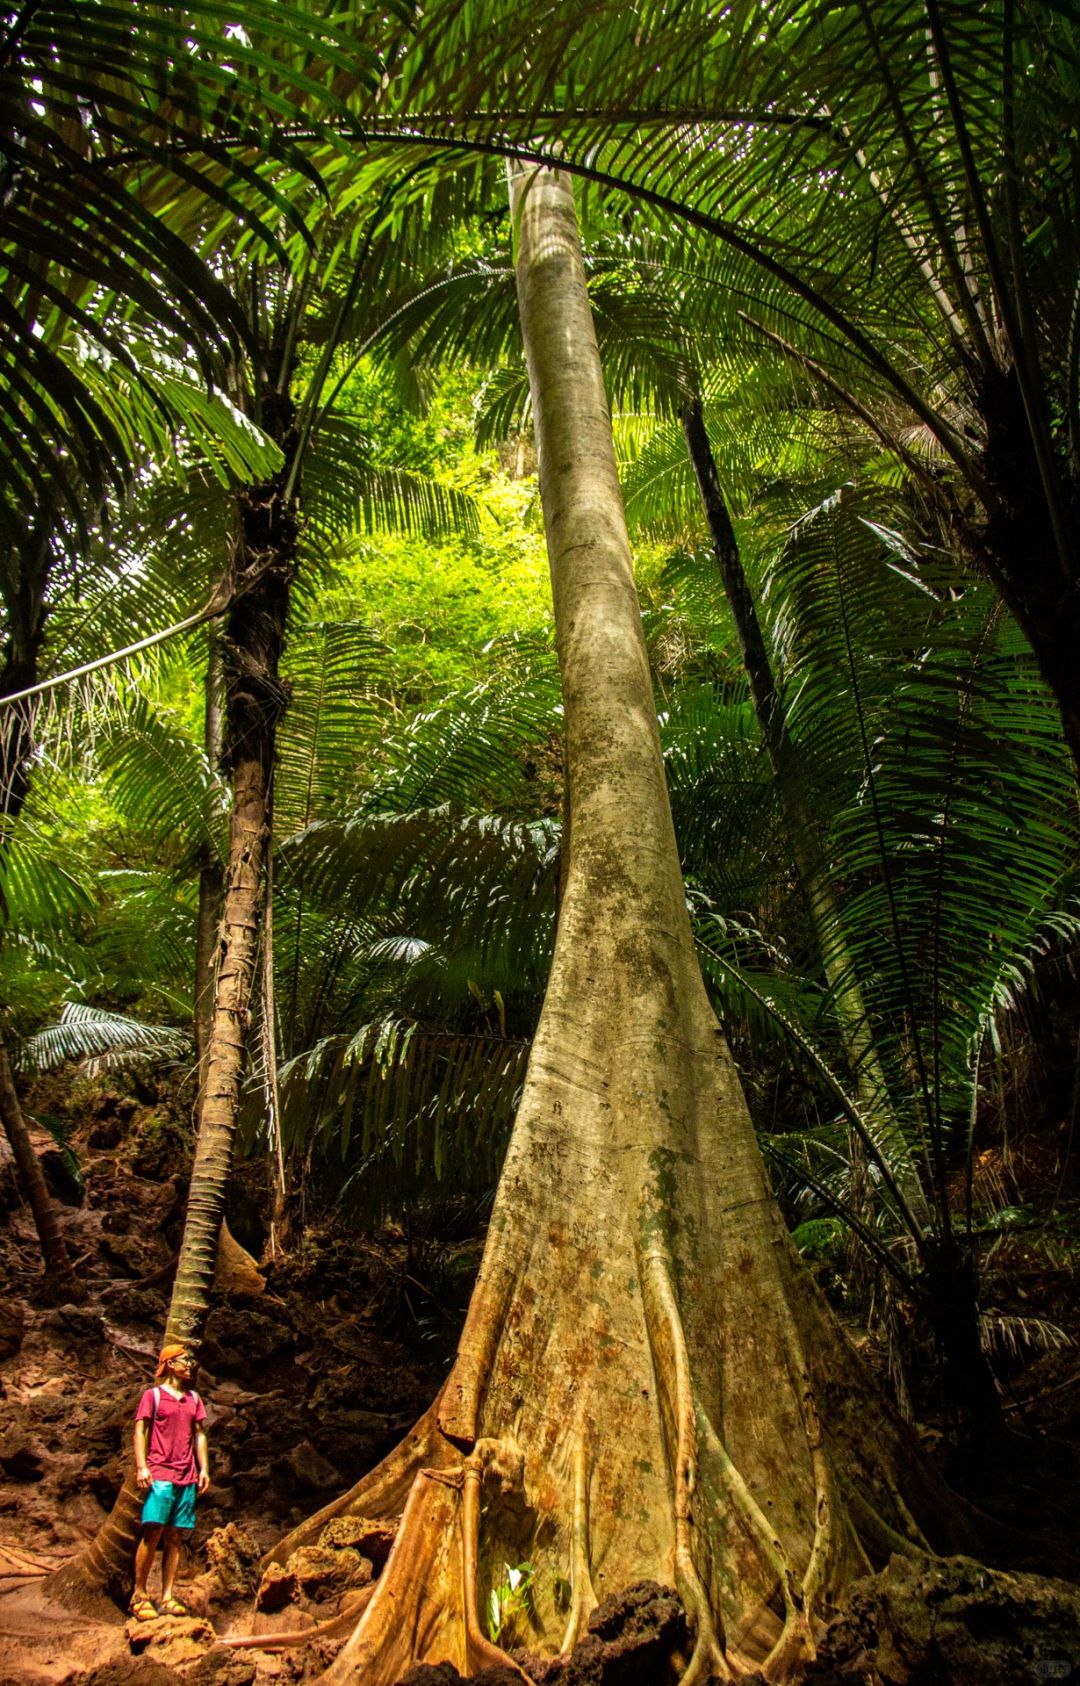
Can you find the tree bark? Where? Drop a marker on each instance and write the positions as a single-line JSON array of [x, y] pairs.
[[61, 1283], [27, 610], [263, 565], [211, 878], [647, 1385]]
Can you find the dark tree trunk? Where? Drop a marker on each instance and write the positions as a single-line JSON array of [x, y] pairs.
[[61, 1283], [950, 1279], [802, 828], [26, 610], [1034, 563]]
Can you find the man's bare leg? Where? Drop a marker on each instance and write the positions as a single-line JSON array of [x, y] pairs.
[[170, 1560], [145, 1552]]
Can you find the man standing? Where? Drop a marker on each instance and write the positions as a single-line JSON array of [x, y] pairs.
[[171, 1466]]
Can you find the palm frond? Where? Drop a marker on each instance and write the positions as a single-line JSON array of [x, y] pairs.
[[409, 1106], [163, 785], [102, 1040]]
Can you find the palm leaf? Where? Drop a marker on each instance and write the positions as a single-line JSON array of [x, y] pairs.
[[101, 1040]]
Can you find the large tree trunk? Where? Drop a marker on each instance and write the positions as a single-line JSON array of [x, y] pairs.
[[647, 1385], [264, 562]]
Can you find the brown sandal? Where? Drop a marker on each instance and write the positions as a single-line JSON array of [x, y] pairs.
[[142, 1607], [172, 1607]]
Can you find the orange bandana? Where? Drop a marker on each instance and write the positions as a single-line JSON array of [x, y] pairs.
[[164, 1356]]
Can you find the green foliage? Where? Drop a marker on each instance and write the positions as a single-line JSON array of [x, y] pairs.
[[850, 225], [510, 1599], [163, 787], [102, 1040]]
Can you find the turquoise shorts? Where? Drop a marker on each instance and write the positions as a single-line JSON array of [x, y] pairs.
[[170, 1505]]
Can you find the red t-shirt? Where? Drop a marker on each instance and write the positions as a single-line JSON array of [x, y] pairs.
[[171, 1454]]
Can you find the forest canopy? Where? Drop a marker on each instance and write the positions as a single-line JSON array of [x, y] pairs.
[[539, 600]]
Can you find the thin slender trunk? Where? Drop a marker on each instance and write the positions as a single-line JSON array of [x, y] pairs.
[[951, 1298], [647, 1385], [1035, 568], [803, 832], [60, 1279], [27, 614], [264, 562]]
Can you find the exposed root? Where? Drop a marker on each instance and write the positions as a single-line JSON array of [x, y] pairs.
[[815, 1579], [480, 1649], [708, 1658], [887, 1538], [915, 1533], [460, 1401], [16, 1564], [796, 1639], [417, 1607], [582, 1593], [341, 1623]]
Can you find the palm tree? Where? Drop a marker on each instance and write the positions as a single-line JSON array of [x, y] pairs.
[[265, 554], [132, 144]]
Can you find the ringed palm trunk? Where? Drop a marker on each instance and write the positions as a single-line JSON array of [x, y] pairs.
[[211, 878], [647, 1385], [264, 562]]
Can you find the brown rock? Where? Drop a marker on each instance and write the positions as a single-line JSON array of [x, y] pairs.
[[21, 1459], [372, 1540], [12, 1328], [929, 1622], [431, 1674], [233, 1557], [311, 1469], [238, 1337], [132, 1671], [222, 1667], [77, 1322], [630, 1640], [171, 1640], [106, 1133], [320, 1571], [125, 1252], [277, 1588]]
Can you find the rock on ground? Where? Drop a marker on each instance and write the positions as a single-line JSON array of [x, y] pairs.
[[936, 1621]]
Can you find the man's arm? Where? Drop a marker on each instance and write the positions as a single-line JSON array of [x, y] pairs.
[[202, 1457], [142, 1443]]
